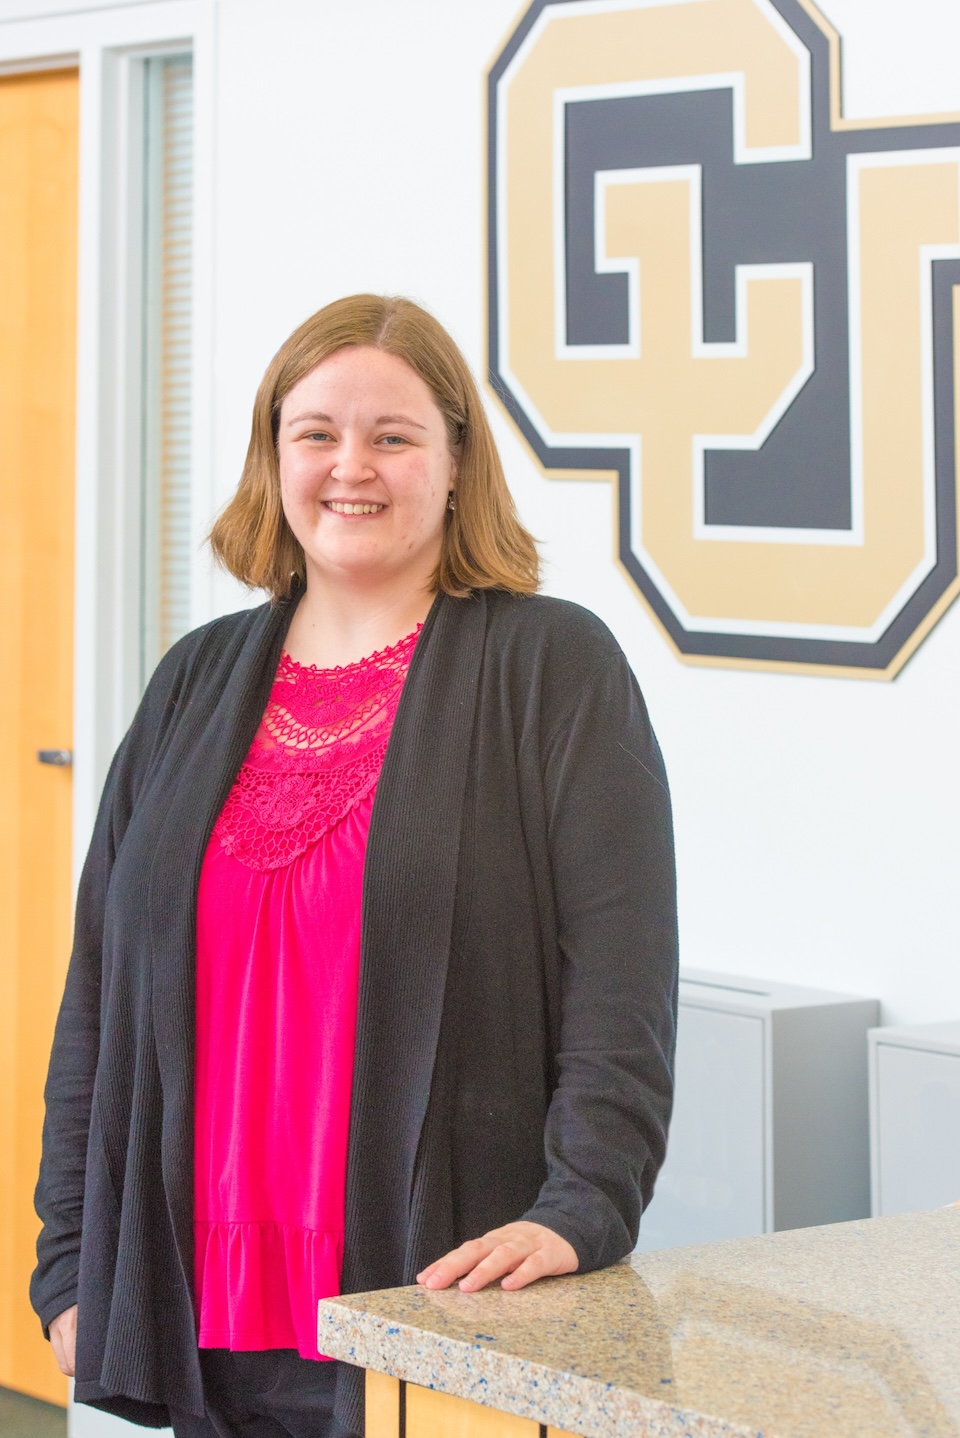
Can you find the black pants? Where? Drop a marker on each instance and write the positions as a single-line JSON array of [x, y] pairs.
[[275, 1394]]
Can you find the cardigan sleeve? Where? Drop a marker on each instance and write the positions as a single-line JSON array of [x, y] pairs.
[[610, 841], [69, 1088], [68, 1094]]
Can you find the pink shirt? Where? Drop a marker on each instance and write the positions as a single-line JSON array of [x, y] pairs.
[[278, 961]]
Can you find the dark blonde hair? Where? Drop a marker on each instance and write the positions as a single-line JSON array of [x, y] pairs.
[[484, 544]]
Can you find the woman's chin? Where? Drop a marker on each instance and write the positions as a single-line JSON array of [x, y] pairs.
[[352, 571], [358, 565]]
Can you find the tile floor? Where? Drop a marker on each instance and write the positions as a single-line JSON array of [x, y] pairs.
[[22, 1417]]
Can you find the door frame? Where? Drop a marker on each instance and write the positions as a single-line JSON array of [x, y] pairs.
[[107, 44]]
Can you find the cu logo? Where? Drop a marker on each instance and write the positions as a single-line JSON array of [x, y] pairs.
[[707, 282]]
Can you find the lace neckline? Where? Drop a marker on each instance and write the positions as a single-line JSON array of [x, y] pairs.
[[312, 710], [316, 755], [379, 658]]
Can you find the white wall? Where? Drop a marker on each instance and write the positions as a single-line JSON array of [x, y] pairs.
[[817, 819]]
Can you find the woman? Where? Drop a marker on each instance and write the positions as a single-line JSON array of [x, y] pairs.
[[242, 1117]]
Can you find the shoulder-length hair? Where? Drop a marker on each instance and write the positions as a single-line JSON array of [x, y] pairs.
[[484, 544]]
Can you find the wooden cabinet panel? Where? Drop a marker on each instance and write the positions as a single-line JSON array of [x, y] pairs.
[[405, 1410], [440, 1415], [382, 1406]]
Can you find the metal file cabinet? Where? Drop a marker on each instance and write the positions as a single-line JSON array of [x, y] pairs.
[[770, 1127], [914, 1117]]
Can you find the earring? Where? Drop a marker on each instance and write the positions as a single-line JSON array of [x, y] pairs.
[[451, 502]]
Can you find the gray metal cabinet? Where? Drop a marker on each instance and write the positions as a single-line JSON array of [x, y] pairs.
[[914, 1117], [770, 1124]]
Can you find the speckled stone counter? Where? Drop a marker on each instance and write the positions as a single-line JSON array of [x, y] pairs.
[[849, 1331]]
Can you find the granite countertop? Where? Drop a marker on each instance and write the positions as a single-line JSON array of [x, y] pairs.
[[848, 1331]]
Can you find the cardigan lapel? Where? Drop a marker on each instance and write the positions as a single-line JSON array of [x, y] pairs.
[[408, 907], [224, 708]]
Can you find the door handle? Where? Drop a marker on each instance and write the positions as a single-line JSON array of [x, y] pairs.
[[61, 758]]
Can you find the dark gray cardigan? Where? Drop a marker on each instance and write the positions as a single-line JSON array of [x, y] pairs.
[[518, 979]]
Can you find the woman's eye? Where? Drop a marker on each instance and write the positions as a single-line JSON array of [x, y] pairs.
[[394, 440], [318, 434]]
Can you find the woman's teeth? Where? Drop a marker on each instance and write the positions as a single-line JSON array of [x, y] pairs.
[[339, 508]]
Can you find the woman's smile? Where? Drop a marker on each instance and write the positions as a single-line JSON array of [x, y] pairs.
[[339, 506]]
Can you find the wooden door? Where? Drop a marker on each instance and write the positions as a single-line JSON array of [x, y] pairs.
[[38, 264]]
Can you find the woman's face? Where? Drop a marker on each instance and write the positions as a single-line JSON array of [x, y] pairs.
[[365, 470]]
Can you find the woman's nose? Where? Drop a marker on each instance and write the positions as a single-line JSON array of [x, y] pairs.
[[353, 463]]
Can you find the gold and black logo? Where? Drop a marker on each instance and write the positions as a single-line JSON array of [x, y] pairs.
[[708, 285]]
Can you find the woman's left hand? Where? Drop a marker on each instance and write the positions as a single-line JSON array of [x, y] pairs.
[[517, 1254]]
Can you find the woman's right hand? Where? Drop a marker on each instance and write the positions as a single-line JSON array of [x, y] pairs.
[[63, 1339]]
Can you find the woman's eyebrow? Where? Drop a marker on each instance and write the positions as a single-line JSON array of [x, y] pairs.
[[315, 416], [399, 419], [311, 415]]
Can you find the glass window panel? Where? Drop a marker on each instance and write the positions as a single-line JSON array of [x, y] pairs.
[[167, 543]]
